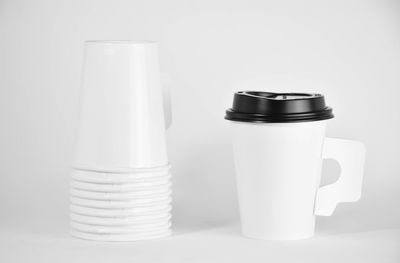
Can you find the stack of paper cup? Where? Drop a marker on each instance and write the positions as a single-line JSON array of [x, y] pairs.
[[120, 187], [121, 207]]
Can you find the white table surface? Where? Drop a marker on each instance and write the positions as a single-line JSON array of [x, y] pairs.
[[342, 238]]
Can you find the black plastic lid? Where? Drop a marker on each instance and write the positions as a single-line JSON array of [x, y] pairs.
[[259, 106]]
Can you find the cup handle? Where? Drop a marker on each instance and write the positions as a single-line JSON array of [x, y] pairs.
[[166, 94], [350, 156]]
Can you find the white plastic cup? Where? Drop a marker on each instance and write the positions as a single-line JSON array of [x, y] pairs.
[[122, 121], [278, 171]]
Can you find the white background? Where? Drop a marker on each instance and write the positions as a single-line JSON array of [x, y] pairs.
[[347, 50]]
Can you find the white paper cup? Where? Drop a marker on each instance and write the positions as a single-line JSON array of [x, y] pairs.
[[120, 237], [81, 210], [144, 202], [118, 221], [115, 178], [127, 187], [132, 170], [122, 123], [139, 229], [120, 196], [278, 170]]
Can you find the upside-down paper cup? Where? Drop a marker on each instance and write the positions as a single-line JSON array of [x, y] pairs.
[[122, 117]]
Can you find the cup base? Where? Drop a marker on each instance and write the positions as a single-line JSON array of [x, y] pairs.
[[275, 237]]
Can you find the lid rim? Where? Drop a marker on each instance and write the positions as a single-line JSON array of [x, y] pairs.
[[264, 107], [296, 117], [255, 120]]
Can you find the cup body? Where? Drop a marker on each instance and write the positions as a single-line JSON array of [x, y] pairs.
[[278, 170], [122, 123]]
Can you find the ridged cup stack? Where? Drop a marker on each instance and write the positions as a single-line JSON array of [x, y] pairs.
[[120, 182], [121, 207]]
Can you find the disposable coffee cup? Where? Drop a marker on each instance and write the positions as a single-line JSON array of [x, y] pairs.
[[121, 237], [154, 175], [123, 108], [123, 212], [131, 203], [137, 195], [132, 221], [120, 188], [279, 144], [141, 229]]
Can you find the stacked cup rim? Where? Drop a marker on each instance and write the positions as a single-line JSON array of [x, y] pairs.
[[127, 206]]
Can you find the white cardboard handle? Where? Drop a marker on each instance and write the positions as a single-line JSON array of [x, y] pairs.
[[166, 93], [350, 156]]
